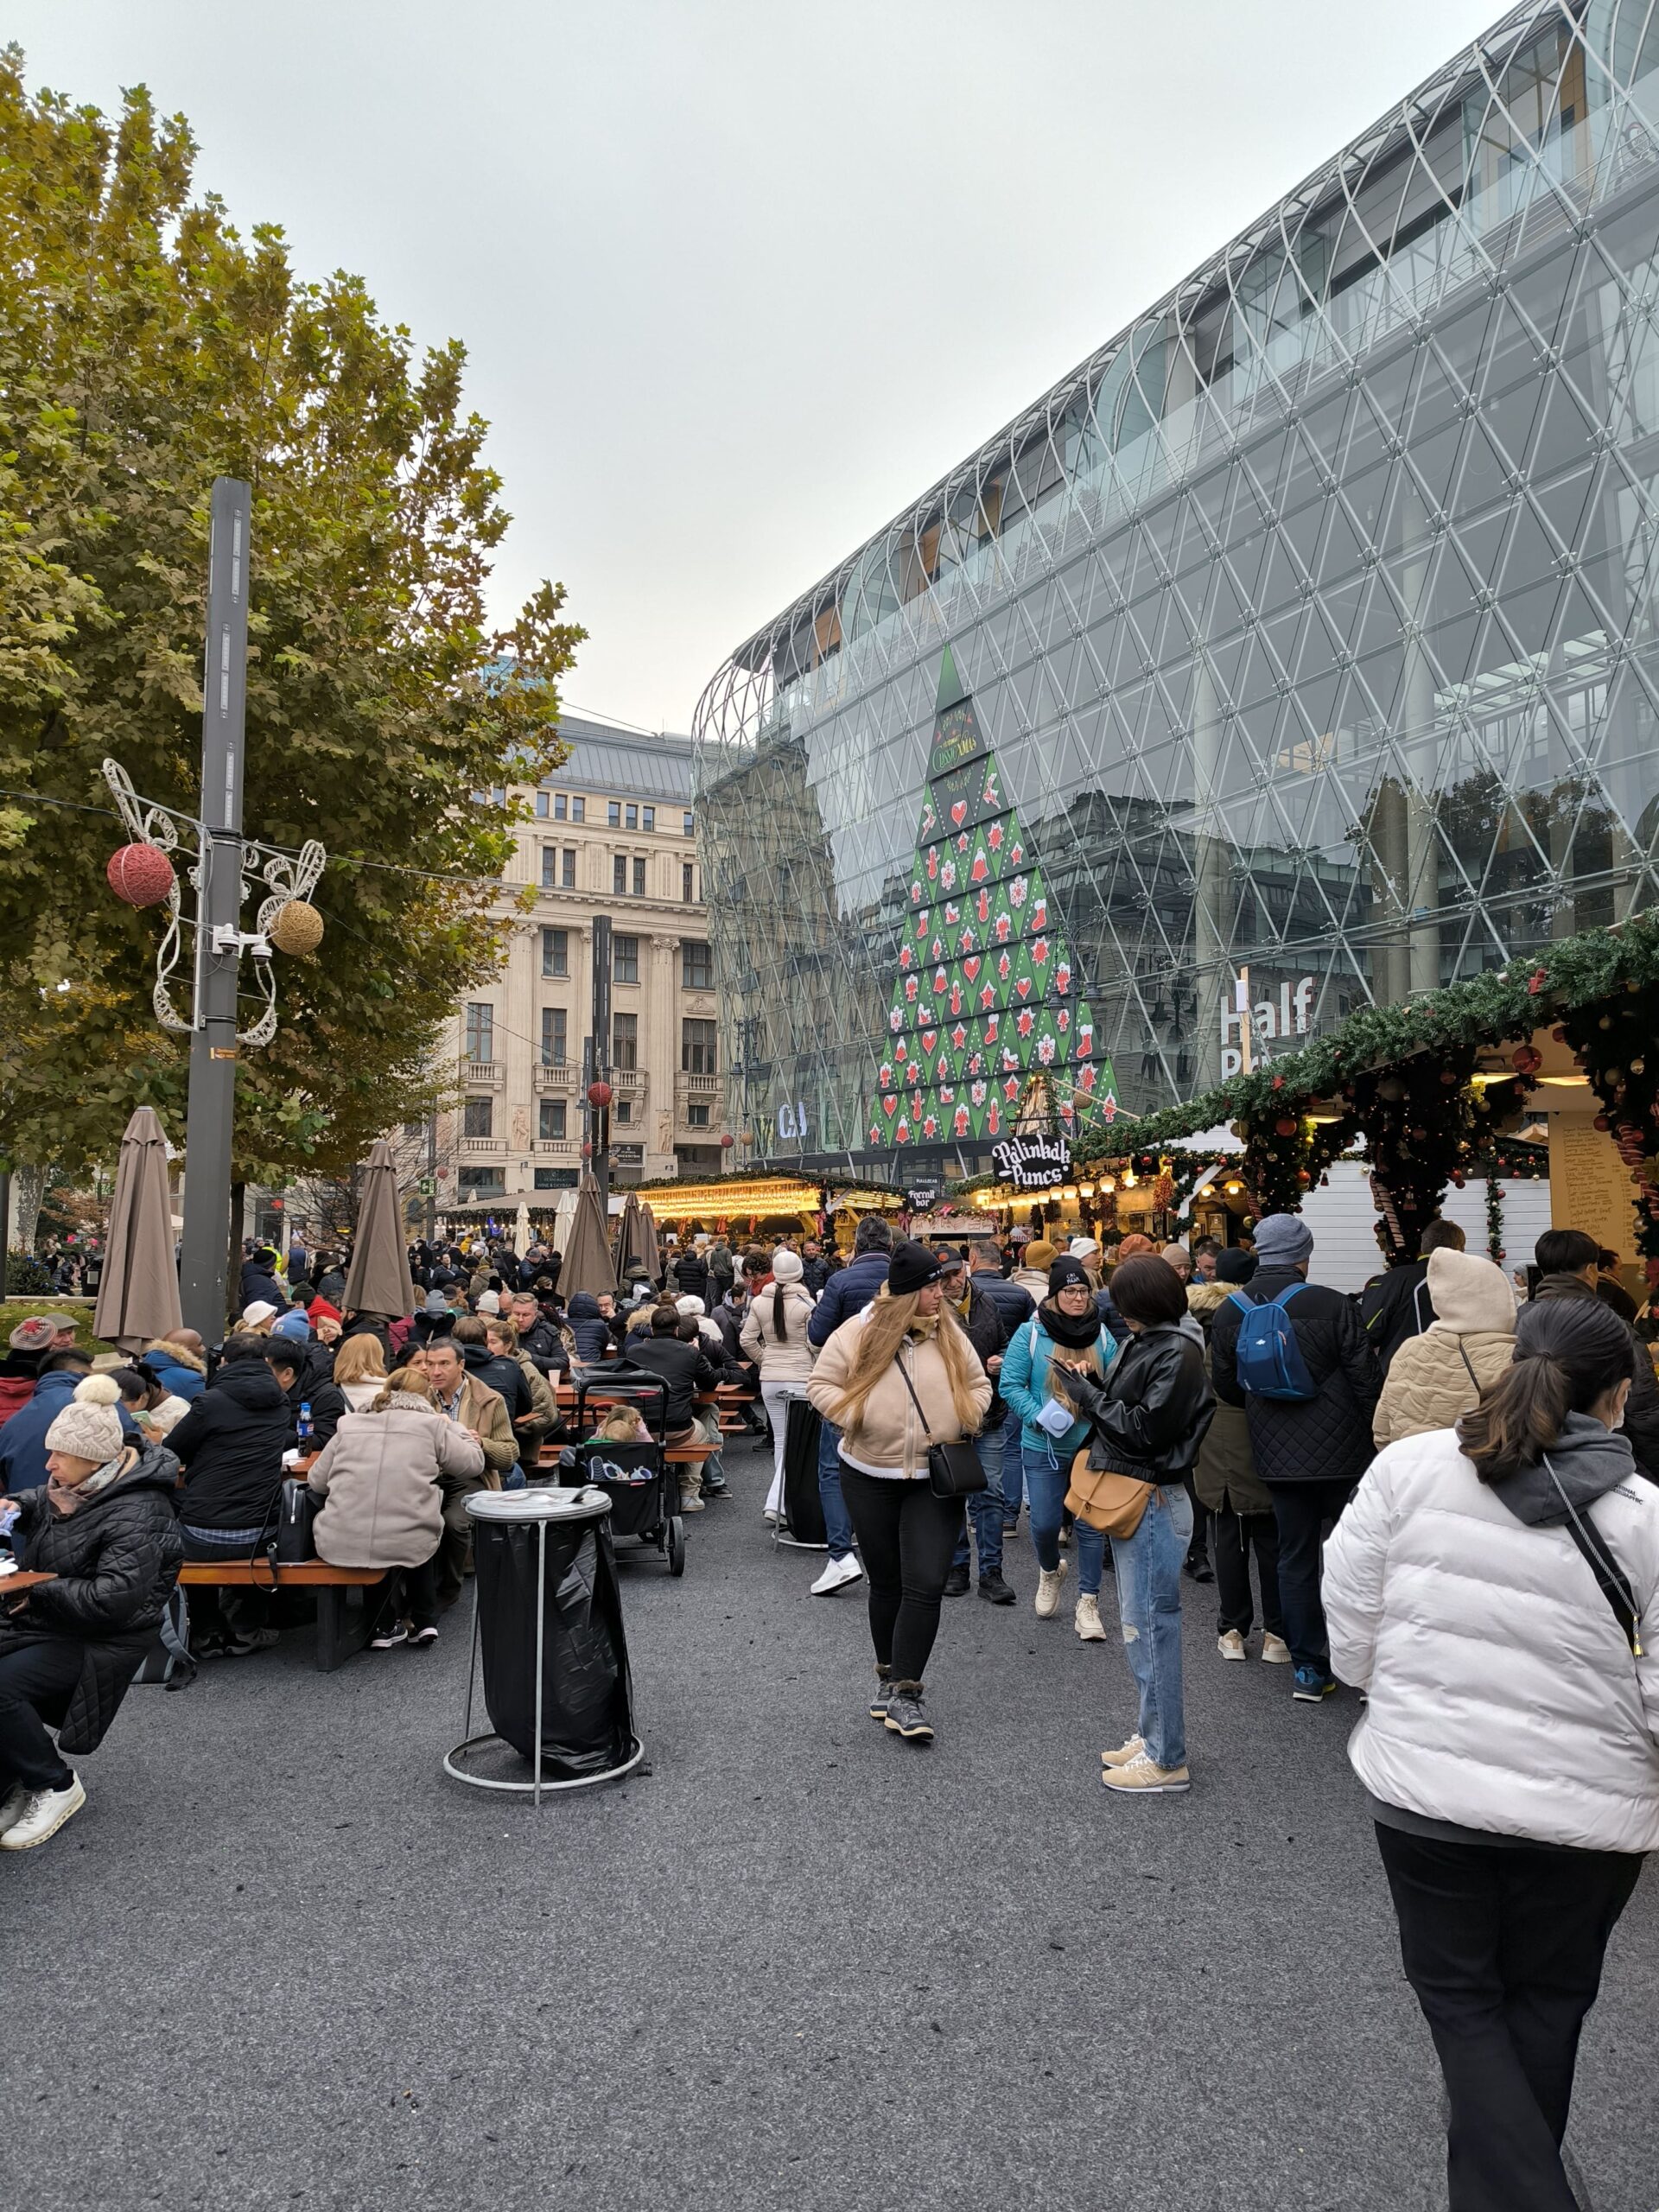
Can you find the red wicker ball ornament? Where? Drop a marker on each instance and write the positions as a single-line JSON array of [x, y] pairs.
[[141, 875], [1285, 1126], [727, 1142], [599, 1094]]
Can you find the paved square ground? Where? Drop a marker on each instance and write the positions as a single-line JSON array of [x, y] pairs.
[[281, 1960]]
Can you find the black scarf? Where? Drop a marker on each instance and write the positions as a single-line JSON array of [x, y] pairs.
[[1077, 1331]]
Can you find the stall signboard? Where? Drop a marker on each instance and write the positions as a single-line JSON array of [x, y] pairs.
[[923, 1191], [1033, 1163], [1590, 1185]]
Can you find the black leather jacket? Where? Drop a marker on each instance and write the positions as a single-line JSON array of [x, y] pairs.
[[1149, 1414]]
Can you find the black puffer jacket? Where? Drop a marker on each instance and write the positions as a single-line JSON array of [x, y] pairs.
[[230, 1444], [116, 1559], [1149, 1414], [1395, 1307], [1327, 1438], [983, 1324]]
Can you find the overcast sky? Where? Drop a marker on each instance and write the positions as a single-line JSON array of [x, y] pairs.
[[740, 279]]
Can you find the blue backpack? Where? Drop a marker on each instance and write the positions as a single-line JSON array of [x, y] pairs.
[[1270, 1363]]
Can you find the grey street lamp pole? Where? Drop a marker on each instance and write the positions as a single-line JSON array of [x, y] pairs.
[[599, 1117], [207, 1227]]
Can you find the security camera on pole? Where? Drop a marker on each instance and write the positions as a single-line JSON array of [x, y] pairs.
[[142, 874]]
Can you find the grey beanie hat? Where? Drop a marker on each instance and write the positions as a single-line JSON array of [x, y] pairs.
[[437, 1303], [1283, 1240]]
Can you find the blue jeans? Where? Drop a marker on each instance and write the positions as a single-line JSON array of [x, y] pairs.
[[837, 1522], [1014, 1471], [1048, 1476], [1149, 1566], [985, 1508]]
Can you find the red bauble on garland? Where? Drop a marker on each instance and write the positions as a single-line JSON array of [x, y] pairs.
[[140, 876], [599, 1094]]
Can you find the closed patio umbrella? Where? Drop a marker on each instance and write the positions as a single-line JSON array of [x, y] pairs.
[[138, 1292], [587, 1254], [630, 1240], [650, 1251], [377, 1282]]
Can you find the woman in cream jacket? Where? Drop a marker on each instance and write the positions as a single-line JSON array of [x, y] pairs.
[[774, 1336], [1435, 1377]]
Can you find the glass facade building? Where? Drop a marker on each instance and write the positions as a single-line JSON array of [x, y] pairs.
[[1307, 628]]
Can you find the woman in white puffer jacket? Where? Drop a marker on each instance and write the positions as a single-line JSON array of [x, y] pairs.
[[1510, 1746]]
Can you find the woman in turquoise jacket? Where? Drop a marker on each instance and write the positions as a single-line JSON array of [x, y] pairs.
[[1065, 1331]]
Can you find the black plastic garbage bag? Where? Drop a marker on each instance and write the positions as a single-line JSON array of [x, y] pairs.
[[802, 1507], [587, 1694]]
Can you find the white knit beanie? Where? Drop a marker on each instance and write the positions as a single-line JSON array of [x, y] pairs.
[[786, 1265], [89, 1428]]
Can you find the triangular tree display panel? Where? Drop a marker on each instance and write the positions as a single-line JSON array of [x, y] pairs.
[[987, 992]]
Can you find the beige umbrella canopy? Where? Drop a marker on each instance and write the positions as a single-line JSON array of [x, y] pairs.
[[649, 1251], [587, 1251], [379, 1281], [138, 1293]]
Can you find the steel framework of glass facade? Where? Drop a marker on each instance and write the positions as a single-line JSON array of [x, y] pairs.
[[1308, 626]]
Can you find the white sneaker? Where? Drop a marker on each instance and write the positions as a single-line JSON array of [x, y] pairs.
[[44, 1813], [12, 1804], [839, 1572], [1087, 1621], [1230, 1645], [1275, 1651], [1048, 1590]]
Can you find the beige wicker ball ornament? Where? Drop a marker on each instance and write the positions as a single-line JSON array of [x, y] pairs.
[[297, 928]]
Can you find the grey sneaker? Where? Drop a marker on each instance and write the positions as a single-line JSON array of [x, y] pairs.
[[906, 1715], [881, 1692]]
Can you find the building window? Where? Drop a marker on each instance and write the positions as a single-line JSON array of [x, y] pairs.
[[556, 1179], [624, 1109], [550, 1120], [541, 806], [549, 868], [696, 964], [688, 883], [638, 878], [480, 1031], [578, 809], [697, 1048], [556, 952], [647, 817], [484, 1182], [624, 959], [553, 1036], [496, 796], [561, 806], [691, 820], [631, 817], [613, 814], [568, 868], [619, 875], [697, 1117], [478, 1118], [625, 1041]]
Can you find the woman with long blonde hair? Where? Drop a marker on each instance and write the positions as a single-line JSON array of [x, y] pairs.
[[896, 1379]]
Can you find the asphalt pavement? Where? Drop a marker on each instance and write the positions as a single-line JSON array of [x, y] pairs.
[[281, 1960]]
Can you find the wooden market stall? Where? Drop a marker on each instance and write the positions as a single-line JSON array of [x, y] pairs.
[[747, 1205]]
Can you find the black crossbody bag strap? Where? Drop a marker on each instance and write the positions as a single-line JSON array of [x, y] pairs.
[[1610, 1576]]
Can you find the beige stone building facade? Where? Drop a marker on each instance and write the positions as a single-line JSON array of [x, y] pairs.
[[614, 836]]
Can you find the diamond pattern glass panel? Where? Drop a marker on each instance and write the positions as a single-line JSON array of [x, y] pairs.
[[1308, 626]]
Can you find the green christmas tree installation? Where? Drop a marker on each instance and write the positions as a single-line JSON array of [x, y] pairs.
[[985, 996]]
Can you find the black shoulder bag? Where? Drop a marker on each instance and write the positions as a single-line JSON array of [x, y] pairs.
[[953, 1470]]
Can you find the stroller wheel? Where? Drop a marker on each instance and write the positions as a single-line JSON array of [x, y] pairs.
[[676, 1546]]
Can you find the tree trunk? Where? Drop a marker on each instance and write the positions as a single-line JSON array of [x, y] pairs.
[[28, 1189]]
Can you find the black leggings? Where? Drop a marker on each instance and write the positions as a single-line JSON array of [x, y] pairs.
[[908, 1537]]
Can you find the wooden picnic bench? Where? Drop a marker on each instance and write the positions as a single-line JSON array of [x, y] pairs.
[[342, 1629]]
